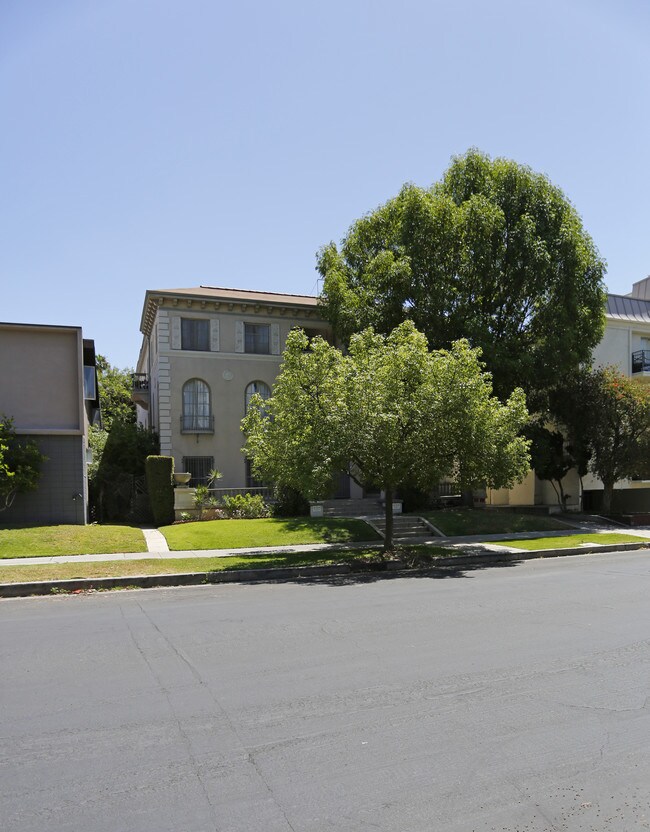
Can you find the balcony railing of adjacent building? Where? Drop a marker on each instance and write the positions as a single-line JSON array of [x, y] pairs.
[[140, 389], [195, 423], [641, 361], [139, 381]]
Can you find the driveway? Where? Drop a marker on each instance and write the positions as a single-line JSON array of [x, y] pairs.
[[511, 699]]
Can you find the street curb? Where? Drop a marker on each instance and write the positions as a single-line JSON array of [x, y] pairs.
[[396, 568]]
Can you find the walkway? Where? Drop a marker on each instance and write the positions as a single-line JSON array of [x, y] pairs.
[[489, 542]]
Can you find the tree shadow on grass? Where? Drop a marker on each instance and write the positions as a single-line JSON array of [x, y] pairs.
[[369, 576], [332, 529]]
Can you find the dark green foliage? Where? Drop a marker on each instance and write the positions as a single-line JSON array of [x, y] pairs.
[[549, 458], [494, 253], [20, 464], [116, 475], [414, 499], [289, 502], [159, 472]]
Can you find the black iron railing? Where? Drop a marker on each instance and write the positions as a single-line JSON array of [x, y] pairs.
[[196, 423], [641, 361], [139, 381]]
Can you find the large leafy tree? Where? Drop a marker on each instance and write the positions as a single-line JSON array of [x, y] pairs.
[[20, 464], [494, 253], [607, 418], [390, 412], [114, 393]]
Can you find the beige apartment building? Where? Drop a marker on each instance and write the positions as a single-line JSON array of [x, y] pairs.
[[205, 351], [48, 386]]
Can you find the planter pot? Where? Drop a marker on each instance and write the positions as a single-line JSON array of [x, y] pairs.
[[182, 478]]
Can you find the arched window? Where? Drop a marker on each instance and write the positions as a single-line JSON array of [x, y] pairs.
[[197, 415], [258, 387]]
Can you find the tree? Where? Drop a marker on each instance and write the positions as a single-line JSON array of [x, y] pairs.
[[388, 411], [549, 458], [118, 461], [114, 393], [494, 253], [615, 425], [20, 464]]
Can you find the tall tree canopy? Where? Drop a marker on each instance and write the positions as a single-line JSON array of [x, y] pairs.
[[114, 393], [494, 253], [390, 412]]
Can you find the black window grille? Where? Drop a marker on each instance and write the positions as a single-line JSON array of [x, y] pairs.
[[199, 467]]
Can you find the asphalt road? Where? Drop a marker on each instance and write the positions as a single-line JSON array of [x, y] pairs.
[[494, 700]]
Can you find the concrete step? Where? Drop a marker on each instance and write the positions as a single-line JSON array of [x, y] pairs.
[[405, 527]]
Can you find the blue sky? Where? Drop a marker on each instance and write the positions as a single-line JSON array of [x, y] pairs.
[[156, 144]]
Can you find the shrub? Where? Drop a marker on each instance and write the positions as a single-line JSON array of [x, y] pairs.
[[245, 506], [159, 471], [289, 502]]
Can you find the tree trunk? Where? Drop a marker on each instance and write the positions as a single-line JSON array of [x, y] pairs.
[[388, 532], [467, 497], [608, 493]]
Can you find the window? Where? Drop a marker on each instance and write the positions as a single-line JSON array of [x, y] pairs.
[[199, 467], [197, 417], [257, 338], [257, 387], [251, 482], [90, 386], [195, 334]]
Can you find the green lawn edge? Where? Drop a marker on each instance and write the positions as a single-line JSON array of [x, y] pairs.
[[52, 541], [171, 566], [465, 521], [271, 531], [572, 541]]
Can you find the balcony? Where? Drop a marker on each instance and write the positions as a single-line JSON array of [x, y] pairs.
[[196, 423], [641, 364], [140, 389]]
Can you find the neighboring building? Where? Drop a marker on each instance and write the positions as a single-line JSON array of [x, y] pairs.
[[626, 346], [204, 353], [48, 386]]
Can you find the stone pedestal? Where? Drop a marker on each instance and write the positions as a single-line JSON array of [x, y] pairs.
[[184, 501]]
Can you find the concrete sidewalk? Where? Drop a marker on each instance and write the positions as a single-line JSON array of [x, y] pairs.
[[489, 542]]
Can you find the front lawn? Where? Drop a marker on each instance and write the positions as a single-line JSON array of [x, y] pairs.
[[175, 566], [244, 534], [453, 522], [571, 540], [44, 541]]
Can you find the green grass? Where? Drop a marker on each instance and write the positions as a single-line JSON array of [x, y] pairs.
[[569, 541], [124, 569], [43, 541], [243, 534], [453, 522]]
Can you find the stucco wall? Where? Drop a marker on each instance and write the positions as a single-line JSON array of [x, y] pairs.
[[40, 378], [63, 478], [225, 370]]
